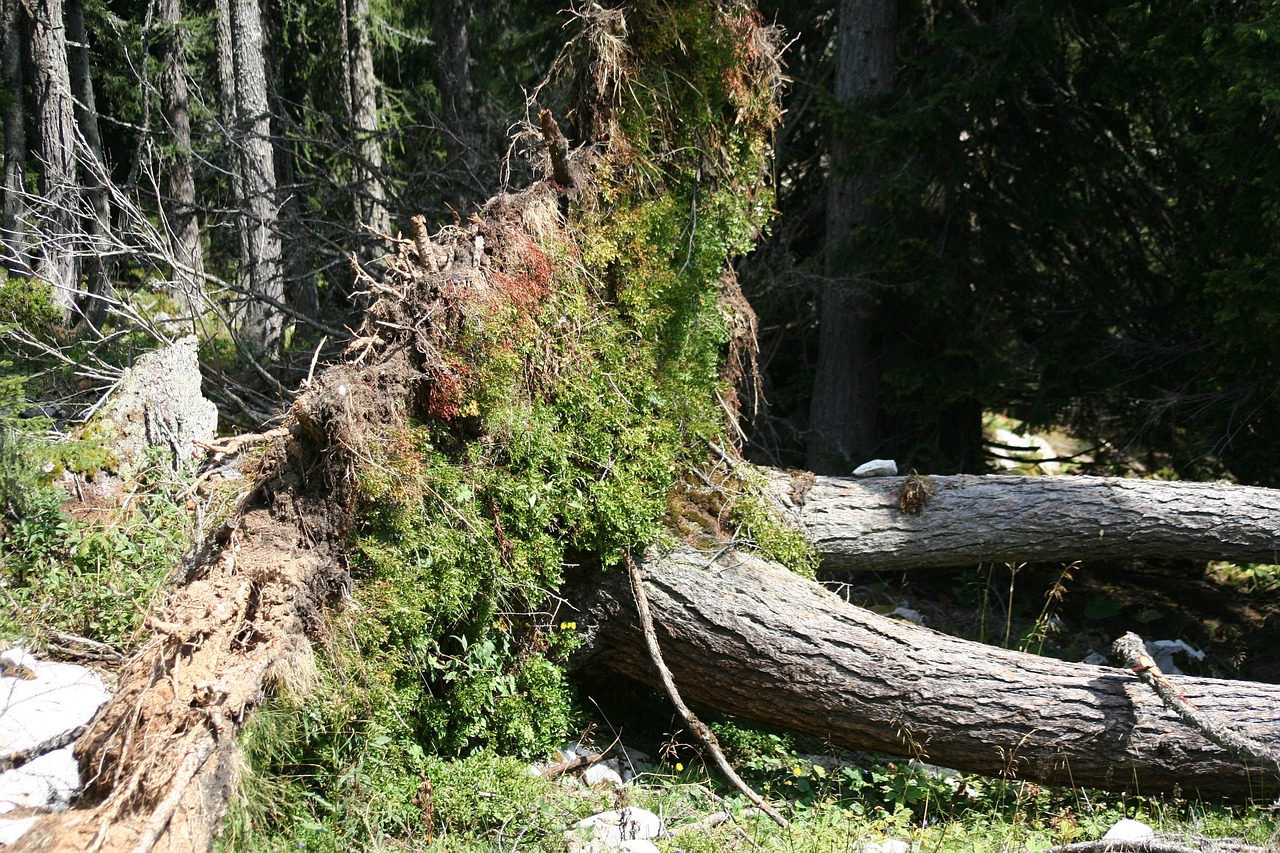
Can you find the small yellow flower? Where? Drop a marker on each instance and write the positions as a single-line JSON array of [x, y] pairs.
[[679, 767], [797, 770]]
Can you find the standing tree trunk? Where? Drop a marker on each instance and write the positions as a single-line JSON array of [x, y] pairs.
[[451, 25], [261, 322], [227, 115], [182, 226], [59, 214], [842, 414], [371, 207], [13, 235], [95, 174], [299, 249]]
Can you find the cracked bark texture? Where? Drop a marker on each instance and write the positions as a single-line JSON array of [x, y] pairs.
[[859, 524], [751, 639]]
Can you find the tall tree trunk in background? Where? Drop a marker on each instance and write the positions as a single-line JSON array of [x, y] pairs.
[[451, 23], [227, 116], [13, 237], [182, 226], [95, 174], [261, 323], [842, 414], [60, 231], [371, 207], [300, 252]]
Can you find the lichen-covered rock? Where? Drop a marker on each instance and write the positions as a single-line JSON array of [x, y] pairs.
[[158, 404]]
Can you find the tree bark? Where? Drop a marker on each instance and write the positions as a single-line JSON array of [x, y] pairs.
[[844, 405], [860, 524], [60, 228], [13, 236], [182, 226], [451, 28], [261, 324], [95, 173], [751, 639], [371, 205]]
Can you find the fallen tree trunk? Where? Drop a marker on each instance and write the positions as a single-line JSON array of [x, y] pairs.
[[751, 639], [963, 520]]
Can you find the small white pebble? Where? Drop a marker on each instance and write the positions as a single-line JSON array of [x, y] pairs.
[[877, 468]]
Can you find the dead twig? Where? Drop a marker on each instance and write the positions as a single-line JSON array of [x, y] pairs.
[[576, 763], [19, 757], [232, 445], [1133, 652], [1157, 845], [695, 725]]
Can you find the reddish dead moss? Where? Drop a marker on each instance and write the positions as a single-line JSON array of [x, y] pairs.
[[441, 393], [526, 282]]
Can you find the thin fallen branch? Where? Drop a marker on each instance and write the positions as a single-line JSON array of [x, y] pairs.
[[231, 445], [576, 763], [1157, 845], [1133, 652], [19, 757], [695, 725], [75, 646]]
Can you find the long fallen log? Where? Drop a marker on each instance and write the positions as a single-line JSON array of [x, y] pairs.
[[963, 520], [748, 638]]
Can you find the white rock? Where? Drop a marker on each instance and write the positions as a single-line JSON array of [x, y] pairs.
[[877, 468], [1164, 650], [632, 762], [17, 658], [614, 827], [59, 698], [1097, 659], [639, 845], [33, 710], [889, 845], [603, 775], [1027, 451], [11, 829], [908, 615], [46, 782], [1129, 830]]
